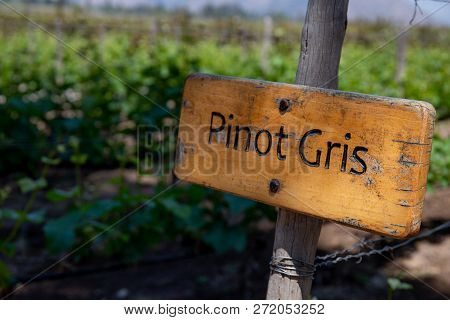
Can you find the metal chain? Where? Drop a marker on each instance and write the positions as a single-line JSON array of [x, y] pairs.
[[333, 259], [361, 244]]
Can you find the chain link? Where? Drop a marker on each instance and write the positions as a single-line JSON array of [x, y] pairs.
[[336, 257]]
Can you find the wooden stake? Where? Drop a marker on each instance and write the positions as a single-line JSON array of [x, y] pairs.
[[296, 235], [267, 43], [400, 67]]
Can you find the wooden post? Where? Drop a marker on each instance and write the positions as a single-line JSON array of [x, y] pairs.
[[296, 235], [59, 48], [267, 43], [402, 44]]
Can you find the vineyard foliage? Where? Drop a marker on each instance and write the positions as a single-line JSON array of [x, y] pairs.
[[77, 104]]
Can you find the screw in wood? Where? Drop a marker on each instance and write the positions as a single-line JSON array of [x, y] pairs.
[[284, 105], [274, 185]]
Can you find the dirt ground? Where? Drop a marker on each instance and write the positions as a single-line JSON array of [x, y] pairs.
[[174, 271]]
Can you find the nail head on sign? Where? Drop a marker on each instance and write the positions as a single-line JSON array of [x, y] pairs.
[[274, 185], [284, 105]]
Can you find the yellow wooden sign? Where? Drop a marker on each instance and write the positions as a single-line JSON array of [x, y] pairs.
[[357, 159]]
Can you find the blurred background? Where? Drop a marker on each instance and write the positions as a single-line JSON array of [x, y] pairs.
[[79, 78]]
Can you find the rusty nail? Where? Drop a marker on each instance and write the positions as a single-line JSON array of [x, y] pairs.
[[274, 185]]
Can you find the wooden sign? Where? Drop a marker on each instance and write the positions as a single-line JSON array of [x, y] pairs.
[[356, 159]]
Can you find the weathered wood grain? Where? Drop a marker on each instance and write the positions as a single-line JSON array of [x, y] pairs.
[[387, 198]]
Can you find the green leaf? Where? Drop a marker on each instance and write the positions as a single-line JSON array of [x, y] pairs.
[[61, 148], [224, 239], [179, 210], [4, 193], [196, 193], [101, 207], [397, 284], [196, 219], [27, 185], [57, 195], [5, 276], [7, 248], [237, 204], [37, 216], [141, 218], [60, 233], [79, 159], [74, 142], [9, 214], [50, 162]]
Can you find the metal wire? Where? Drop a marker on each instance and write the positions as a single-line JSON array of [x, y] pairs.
[[333, 259], [294, 268]]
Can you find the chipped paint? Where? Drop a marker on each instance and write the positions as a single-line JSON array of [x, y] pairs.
[[353, 222]]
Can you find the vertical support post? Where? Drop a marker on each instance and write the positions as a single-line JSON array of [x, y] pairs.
[[267, 43], [59, 48], [296, 234]]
